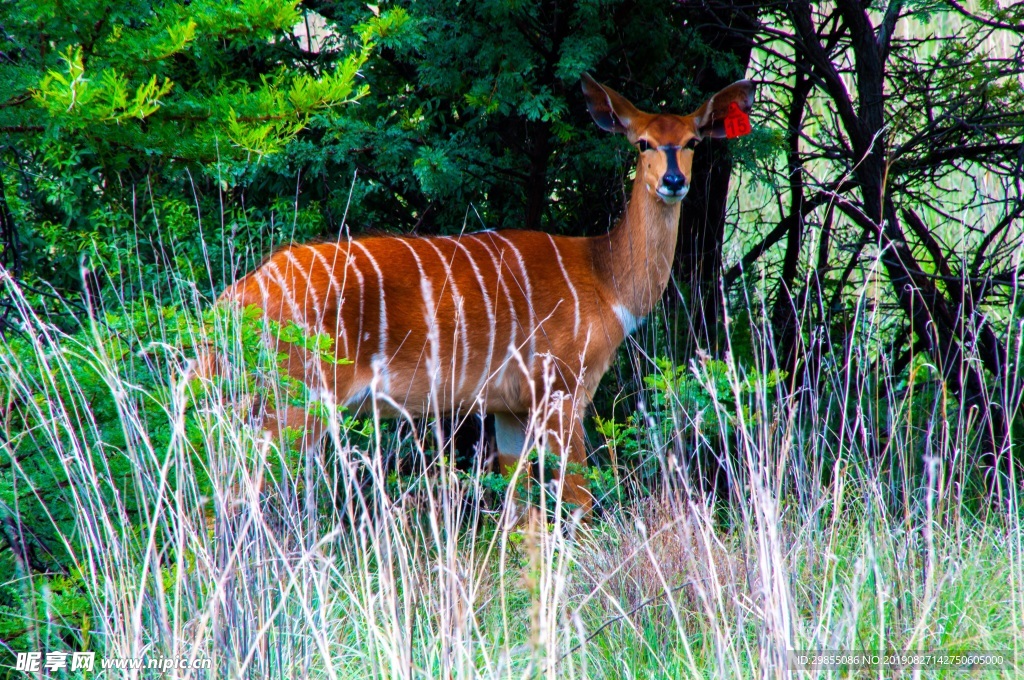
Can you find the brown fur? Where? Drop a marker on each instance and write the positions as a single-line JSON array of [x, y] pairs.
[[457, 335]]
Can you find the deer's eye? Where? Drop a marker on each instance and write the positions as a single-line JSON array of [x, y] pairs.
[[643, 145], [692, 144]]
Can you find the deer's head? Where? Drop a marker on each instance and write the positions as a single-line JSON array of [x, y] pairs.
[[666, 141]]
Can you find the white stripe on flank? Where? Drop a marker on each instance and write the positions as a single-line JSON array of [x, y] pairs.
[[488, 308], [513, 317], [429, 315], [532, 333], [572, 288], [262, 283], [339, 323], [382, 345], [350, 261], [310, 291], [381, 383], [460, 312], [289, 297], [257, 276]]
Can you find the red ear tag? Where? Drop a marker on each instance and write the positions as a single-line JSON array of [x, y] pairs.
[[737, 123]]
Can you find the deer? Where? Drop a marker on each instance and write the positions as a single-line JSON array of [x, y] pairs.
[[439, 324]]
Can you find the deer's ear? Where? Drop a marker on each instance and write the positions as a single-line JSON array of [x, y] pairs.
[[727, 113], [609, 109]]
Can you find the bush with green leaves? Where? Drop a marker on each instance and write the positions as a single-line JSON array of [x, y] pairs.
[[685, 409], [108, 417], [116, 113], [78, 412]]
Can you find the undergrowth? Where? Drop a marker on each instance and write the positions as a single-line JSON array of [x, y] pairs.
[[144, 516]]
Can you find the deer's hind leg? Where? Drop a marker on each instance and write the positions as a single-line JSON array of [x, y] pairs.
[[278, 422], [510, 437], [327, 383]]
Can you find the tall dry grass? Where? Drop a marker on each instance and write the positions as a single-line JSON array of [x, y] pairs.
[[853, 521]]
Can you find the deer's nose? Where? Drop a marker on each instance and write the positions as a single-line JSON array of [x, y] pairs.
[[674, 181]]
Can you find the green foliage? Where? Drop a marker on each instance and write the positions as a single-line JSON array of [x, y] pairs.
[[106, 102], [82, 413], [691, 406], [114, 109], [73, 432], [462, 114], [174, 75], [713, 394], [58, 599]]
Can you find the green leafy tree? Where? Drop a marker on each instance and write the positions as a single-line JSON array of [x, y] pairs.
[[475, 118], [123, 120]]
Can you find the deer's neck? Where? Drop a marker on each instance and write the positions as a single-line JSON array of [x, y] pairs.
[[635, 258]]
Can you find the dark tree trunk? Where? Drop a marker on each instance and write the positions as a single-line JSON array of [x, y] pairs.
[[10, 249], [10, 256], [786, 312], [537, 186]]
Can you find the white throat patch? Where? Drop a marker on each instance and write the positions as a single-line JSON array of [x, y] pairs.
[[626, 318]]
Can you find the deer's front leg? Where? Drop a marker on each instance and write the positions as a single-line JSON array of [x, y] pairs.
[[563, 437], [510, 437]]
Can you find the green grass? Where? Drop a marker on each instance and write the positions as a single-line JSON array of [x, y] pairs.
[[156, 522]]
